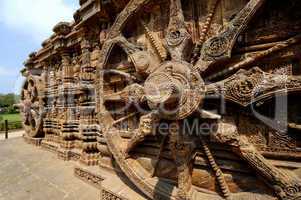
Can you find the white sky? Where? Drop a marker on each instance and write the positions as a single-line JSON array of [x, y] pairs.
[[24, 25], [35, 17]]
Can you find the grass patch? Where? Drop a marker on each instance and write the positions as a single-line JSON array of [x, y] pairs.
[[14, 121], [10, 117]]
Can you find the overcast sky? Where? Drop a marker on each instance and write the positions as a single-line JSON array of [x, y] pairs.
[[24, 24]]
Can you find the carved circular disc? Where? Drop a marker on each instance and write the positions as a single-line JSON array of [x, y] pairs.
[[180, 80], [31, 107], [149, 164], [216, 46]]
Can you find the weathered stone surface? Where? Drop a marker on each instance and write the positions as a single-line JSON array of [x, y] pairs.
[[118, 87], [27, 172]]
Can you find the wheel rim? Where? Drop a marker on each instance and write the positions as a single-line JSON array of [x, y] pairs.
[[139, 93], [31, 107]]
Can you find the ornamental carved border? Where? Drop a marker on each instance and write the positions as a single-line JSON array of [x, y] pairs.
[[221, 46], [88, 177], [107, 195], [250, 86]]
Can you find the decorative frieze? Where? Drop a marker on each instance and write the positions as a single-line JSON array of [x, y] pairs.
[[88, 177]]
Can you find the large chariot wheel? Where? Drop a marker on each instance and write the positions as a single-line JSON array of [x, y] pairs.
[[153, 81], [32, 106]]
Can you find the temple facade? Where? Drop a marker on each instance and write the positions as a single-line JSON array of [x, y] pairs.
[[172, 99]]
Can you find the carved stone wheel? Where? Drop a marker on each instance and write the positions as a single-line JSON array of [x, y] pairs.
[[148, 78], [32, 106]]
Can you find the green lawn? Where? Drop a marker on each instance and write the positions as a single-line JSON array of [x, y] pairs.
[[10, 117]]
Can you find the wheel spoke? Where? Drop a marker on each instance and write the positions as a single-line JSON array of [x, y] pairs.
[[146, 128], [157, 45], [205, 114], [250, 58], [125, 118], [141, 59], [129, 77], [127, 46], [218, 172], [247, 87], [182, 151], [176, 15], [157, 159], [131, 93], [113, 97], [219, 47], [178, 37], [205, 30]]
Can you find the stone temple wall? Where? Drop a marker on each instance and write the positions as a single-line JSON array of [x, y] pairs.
[[172, 99]]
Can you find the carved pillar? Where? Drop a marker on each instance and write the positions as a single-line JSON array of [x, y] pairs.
[[67, 68], [69, 122], [50, 121], [46, 79], [53, 97], [88, 124], [86, 68]]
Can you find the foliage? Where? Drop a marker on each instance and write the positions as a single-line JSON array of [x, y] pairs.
[[7, 102]]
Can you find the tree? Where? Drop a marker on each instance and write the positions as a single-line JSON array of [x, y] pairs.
[[8, 100]]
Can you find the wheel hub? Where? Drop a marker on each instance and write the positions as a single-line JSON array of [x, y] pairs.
[[162, 88], [174, 90]]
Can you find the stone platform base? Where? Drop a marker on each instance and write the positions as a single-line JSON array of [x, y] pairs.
[[62, 154], [68, 155], [108, 179], [49, 146], [28, 172], [112, 186]]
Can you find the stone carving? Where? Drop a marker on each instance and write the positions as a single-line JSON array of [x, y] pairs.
[[167, 92], [246, 87], [285, 185], [31, 106], [107, 195], [87, 176], [219, 45]]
